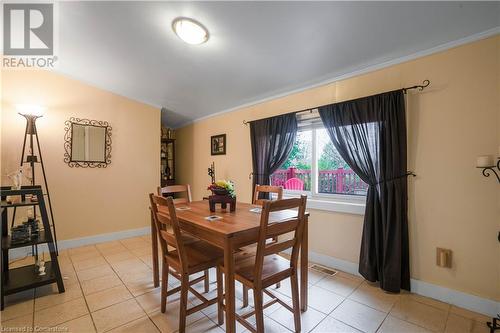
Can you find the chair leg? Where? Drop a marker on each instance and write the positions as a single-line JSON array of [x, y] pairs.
[[164, 285], [295, 300], [245, 296], [259, 310], [220, 297], [183, 302], [278, 285], [207, 281]]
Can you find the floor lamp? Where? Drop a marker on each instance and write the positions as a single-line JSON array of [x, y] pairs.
[[32, 113]]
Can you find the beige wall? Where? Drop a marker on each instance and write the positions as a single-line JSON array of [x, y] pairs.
[[86, 201], [451, 204]]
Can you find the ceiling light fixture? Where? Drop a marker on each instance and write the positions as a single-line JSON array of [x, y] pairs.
[[190, 31]]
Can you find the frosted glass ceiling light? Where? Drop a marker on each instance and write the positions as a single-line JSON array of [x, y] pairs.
[[190, 31]]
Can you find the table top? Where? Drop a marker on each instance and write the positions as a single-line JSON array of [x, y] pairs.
[[241, 220]]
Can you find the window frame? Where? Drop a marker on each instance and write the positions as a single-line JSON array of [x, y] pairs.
[[345, 203]]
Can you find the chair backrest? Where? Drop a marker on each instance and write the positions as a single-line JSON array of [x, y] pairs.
[[294, 184], [273, 229], [164, 216], [185, 190], [266, 189]]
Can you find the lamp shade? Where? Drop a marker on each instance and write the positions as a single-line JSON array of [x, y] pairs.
[[30, 110]]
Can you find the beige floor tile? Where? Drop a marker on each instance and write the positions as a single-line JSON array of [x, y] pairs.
[[323, 300], [79, 325], [459, 324], [61, 313], [314, 276], [271, 326], [82, 249], [426, 300], [373, 296], [141, 286], [69, 277], [239, 328], [308, 319], [117, 315], [394, 325], [89, 263], [125, 267], [133, 243], [350, 276], [18, 305], [22, 323], [148, 260], [107, 297], [85, 256], [150, 302], [113, 250], [330, 324], [424, 315], [119, 256], [359, 316], [169, 321], [469, 314], [95, 272], [142, 325], [49, 295], [142, 250], [101, 283], [338, 284], [20, 262], [108, 245], [204, 325]]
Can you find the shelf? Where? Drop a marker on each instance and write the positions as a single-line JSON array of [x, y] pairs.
[[40, 240], [24, 278], [4, 204]]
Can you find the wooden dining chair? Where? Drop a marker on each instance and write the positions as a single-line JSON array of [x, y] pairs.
[[278, 190], [266, 189], [183, 261], [184, 196], [174, 190], [264, 268]]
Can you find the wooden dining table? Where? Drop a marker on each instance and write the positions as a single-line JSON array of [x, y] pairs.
[[235, 230]]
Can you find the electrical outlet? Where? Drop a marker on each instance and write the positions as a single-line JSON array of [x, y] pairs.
[[443, 257]]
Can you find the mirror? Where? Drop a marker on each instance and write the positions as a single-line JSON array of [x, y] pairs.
[[87, 143]]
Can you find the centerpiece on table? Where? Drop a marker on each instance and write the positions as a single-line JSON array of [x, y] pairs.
[[223, 193]]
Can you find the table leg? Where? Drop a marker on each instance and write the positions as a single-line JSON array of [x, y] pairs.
[[229, 286], [154, 244], [304, 270]]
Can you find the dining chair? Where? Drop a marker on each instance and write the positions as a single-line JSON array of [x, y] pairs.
[[264, 268], [266, 189], [185, 197], [278, 190], [183, 261], [184, 190]]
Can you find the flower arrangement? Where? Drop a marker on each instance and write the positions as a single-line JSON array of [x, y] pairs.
[[222, 187]]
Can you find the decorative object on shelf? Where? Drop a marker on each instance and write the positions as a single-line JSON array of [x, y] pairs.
[[167, 162], [87, 143], [211, 172], [31, 113], [487, 163], [15, 280], [223, 193], [218, 144]]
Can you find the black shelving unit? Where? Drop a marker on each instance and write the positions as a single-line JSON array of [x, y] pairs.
[[23, 278]]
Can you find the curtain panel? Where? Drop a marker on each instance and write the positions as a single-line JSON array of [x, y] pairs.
[[272, 141], [370, 134]]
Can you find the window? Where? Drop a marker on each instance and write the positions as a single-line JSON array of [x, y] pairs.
[[315, 167]]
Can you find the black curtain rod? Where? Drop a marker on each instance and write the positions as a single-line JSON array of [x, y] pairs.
[[420, 87]]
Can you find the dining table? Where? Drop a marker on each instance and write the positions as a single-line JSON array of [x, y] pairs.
[[232, 231]]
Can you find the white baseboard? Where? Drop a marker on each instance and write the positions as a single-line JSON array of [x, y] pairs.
[[76, 242], [467, 301]]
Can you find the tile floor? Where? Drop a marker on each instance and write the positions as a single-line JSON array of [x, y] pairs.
[[109, 289]]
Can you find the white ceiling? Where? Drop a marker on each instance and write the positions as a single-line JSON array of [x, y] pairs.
[[256, 49]]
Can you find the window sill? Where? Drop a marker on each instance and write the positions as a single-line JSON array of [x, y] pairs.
[[354, 206]]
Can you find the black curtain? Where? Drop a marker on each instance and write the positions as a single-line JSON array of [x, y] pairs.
[[272, 141], [370, 134]]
